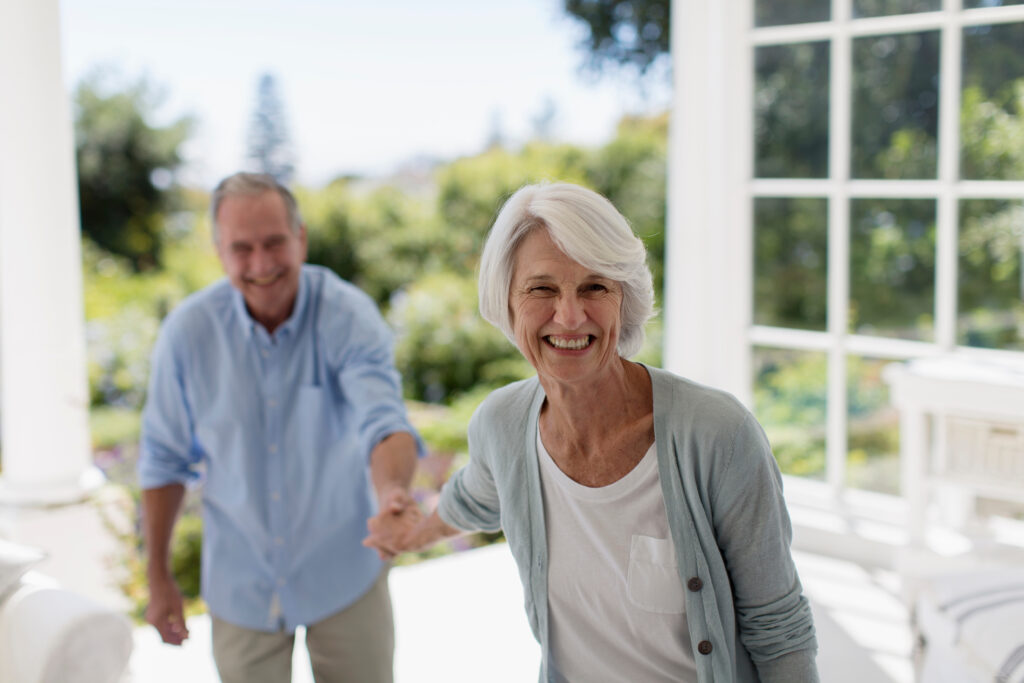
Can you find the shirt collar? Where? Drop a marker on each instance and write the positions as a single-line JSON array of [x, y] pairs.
[[287, 328]]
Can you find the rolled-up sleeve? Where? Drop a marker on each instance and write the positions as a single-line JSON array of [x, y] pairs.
[[167, 454], [368, 376], [469, 499], [754, 533]]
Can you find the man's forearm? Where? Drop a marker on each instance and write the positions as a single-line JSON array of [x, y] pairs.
[[160, 508], [392, 463]]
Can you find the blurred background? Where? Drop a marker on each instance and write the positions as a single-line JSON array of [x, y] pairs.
[[401, 126], [842, 190]]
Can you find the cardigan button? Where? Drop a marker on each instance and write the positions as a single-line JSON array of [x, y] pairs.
[[695, 584], [704, 647]]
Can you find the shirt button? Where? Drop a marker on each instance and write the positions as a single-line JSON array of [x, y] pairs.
[[275, 496], [272, 448], [280, 582], [265, 353], [695, 584], [704, 647], [279, 541], [272, 403]]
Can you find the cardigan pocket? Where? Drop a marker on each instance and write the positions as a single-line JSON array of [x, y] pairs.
[[652, 577]]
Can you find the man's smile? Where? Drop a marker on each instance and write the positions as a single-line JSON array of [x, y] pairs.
[[265, 280]]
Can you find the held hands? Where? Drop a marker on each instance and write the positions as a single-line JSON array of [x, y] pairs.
[[165, 611], [393, 530]]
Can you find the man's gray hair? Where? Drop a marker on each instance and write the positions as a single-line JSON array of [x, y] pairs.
[[244, 184], [590, 230]]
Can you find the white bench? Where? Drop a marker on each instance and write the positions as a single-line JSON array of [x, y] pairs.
[[49, 634], [961, 430], [969, 626]]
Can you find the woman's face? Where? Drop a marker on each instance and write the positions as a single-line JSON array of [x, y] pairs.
[[565, 317]]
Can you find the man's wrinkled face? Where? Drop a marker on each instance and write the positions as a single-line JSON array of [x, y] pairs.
[[261, 254]]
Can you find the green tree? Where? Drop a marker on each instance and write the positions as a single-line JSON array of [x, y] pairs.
[[380, 239], [270, 149], [473, 189], [631, 172], [126, 168], [445, 348], [632, 33]]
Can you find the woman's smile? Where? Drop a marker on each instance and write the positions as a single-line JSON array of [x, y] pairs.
[[569, 343]]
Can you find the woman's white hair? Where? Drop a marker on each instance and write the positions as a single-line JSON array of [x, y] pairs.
[[590, 230]]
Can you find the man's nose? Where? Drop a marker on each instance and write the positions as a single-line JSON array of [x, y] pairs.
[[261, 262], [569, 311]]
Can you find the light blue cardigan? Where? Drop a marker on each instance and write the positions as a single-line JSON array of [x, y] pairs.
[[723, 495]]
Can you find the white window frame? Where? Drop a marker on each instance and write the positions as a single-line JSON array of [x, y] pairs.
[[709, 330]]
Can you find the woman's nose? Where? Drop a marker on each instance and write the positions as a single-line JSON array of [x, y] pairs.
[[569, 311]]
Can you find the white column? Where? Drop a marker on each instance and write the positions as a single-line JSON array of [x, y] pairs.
[[44, 400], [708, 246]]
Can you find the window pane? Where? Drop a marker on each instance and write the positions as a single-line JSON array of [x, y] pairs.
[[791, 111], [789, 401], [895, 106], [892, 267], [971, 4], [778, 12], [873, 438], [992, 106], [790, 261], [881, 8], [991, 283]]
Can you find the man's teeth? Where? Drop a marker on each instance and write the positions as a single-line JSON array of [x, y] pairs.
[[263, 280], [569, 343]]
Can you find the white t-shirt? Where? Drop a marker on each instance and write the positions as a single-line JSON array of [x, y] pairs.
[[615, 598]]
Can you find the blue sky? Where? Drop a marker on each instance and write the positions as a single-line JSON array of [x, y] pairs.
[[366, 85]]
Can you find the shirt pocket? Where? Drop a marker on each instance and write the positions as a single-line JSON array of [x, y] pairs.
[[652, 577]]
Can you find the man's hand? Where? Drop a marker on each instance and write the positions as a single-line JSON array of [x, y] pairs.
[[391, 530], [165, 611]]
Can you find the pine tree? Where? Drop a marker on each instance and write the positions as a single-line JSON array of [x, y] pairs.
[[269, 144]]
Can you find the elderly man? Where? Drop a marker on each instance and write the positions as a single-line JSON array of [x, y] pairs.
[[276, 388]]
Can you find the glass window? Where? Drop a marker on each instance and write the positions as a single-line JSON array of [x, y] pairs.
[[881, 8], [791, 111], [873, 439], [895, 106], [789, 401], [790, 261], [991, 280], [992, 105], [779, 12], [972, 4], [892, 267]]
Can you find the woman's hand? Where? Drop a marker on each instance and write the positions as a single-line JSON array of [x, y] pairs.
[[390, 531], [393, 533]]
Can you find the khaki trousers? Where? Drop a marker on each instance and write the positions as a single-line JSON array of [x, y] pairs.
[[355, 645]]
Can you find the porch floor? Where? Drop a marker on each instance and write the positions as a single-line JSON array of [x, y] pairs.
[[460, 615]]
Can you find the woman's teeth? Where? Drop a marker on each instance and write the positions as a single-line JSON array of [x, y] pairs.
[[569, 343]]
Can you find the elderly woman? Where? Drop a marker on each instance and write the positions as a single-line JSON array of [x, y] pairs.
[[644, 511]]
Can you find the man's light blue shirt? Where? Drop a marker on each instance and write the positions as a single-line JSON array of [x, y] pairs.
[[279, 429]]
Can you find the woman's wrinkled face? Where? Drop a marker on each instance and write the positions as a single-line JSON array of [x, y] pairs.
[[566, 318]]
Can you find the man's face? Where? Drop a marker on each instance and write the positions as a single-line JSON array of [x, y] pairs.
[[261, 255]]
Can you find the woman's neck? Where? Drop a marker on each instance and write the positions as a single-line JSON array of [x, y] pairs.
[[585, 413]]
